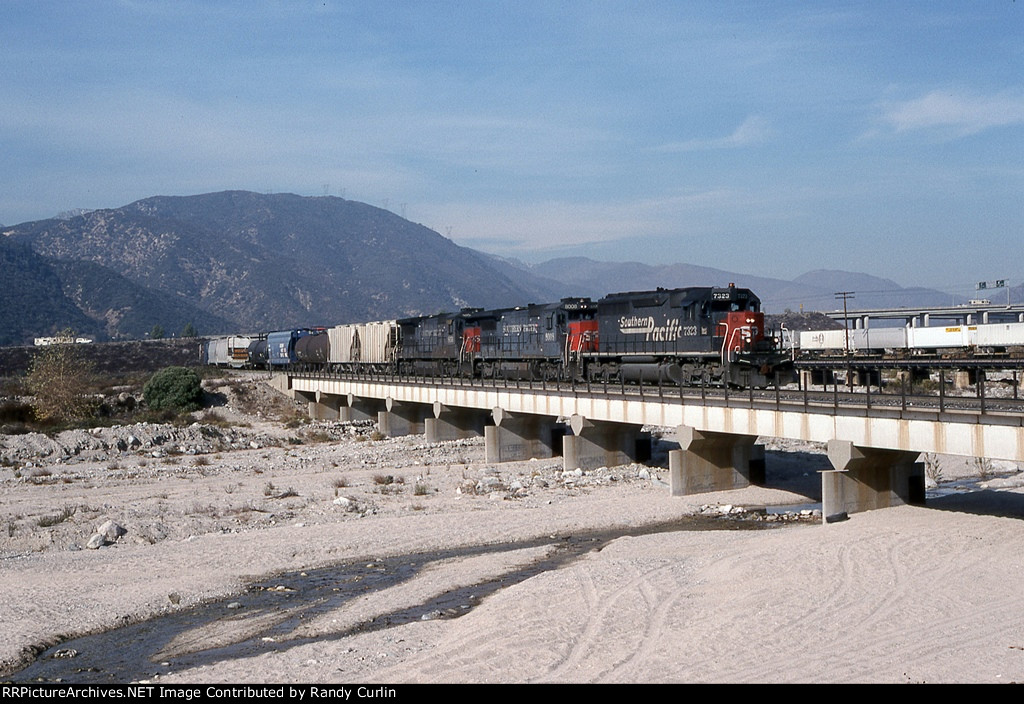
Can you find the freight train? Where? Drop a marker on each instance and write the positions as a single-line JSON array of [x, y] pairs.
[[684, 336], [1002, 339]]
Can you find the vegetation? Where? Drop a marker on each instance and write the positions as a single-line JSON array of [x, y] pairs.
[[933, 467], [63, 515], [174, 389], [59, 380], [984, 467]]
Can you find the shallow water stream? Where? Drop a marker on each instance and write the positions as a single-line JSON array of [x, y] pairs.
[[262, 617]]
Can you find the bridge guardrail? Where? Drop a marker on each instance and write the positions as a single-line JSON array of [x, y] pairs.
[[941, 407]]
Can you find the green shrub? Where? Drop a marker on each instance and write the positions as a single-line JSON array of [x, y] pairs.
[[174, 388]]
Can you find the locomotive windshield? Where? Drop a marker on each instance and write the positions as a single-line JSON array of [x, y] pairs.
[[723, 303]]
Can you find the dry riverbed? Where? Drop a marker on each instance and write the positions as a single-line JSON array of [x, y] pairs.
[[322, 552]]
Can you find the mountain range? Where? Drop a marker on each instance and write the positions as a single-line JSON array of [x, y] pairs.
[[241, 261]]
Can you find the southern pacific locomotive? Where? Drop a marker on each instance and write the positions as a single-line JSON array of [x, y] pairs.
[[685, 336]]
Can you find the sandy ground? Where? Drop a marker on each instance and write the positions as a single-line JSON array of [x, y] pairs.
[[211, 511]]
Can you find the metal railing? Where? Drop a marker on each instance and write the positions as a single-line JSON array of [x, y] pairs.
[[886, 401]]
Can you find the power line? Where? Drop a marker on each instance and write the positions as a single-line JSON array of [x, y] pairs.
[[846, 325]]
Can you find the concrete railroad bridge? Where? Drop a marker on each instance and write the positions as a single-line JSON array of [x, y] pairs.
[[873, 446]]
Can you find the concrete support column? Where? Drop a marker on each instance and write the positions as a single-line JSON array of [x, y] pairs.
[[356, 408], [454, 423], [323, 406], [810, 378], [521, 437], [318, 406], [304, 396], [709, 461], [402, 418], [596, 444], [966, 378], [867, 377], [866, 478]]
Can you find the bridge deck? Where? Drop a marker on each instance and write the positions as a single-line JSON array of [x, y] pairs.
[[959, 426]]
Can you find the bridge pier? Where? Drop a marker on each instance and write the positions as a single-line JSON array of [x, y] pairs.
[[401, 418], [521, 436], [909, 376], [863, 376], [866, 478], [709, 461], [358, 408], [596, 444], [966, 378], [810, 378], [454, 423], [321, 406]]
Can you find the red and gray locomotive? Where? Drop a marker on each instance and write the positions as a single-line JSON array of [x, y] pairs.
[[685, 336]]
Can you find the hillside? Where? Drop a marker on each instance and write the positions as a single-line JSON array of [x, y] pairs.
[[270, 261], [32, 300], [41, 296], [241, 261]]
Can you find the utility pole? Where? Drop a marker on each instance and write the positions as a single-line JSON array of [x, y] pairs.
[[846, 322]]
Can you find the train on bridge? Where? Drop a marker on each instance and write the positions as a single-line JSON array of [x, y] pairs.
[[684, 336]]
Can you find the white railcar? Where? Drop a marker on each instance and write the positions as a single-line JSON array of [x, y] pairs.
[[937, 338], [363, 343], [862, 341]]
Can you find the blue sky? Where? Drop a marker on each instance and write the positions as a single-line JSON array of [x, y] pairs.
[[768, 138]]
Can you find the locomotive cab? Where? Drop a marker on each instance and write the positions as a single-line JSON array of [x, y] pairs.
[[689, 336]]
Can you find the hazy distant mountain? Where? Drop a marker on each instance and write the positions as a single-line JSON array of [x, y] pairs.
[[870, 291], [811, 291], [599, 278], [241, 261]]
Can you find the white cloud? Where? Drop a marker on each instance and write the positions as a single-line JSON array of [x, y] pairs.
[[753, 130], [961, 113]]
